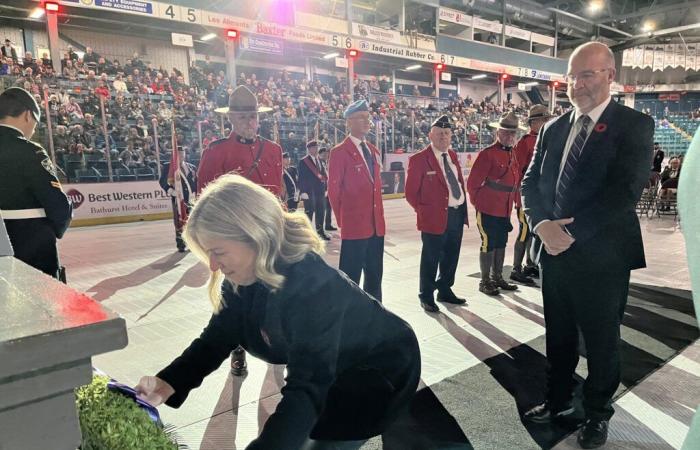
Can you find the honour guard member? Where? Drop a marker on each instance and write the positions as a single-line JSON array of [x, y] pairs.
[[492, 186], [435, 190], [524, 149], [323, 157], [355, 194], [291, 182], [33, 206], [312, 182], [243, 151], [246, 153], [188, 183]]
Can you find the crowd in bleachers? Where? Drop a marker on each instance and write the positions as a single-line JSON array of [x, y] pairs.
[[142, 101]]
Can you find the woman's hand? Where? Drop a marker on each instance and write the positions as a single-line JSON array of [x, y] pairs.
[[154, 390]]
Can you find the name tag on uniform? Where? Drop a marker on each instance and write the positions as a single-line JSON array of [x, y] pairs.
[[359, 167], [431, 172]]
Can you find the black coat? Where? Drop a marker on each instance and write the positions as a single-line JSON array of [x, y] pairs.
[[291, 182], [308, 181], [611, 174], [658, 161], [27, 181], [352, 366]]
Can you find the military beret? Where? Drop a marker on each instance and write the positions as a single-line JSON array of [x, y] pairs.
[[359, 105], [311, 144]]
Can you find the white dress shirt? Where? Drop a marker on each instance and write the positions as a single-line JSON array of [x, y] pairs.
[[452, 202]]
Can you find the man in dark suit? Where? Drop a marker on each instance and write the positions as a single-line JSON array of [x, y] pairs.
[[659, 156], [188, 182], [579, 195], [291, 182], [435, 190], [312, 183], [328, 221]]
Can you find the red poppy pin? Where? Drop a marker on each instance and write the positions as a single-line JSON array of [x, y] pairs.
[[600, 127]]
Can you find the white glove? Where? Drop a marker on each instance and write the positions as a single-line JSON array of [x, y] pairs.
[[154, 390], [304, 196], [171, 192]]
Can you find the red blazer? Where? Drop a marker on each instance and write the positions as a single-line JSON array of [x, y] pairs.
[[497, 165], [427, 191], [230, 155], [524, 150], [356, 201]]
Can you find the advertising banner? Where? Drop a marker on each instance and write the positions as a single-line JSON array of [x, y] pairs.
[[95, 203]]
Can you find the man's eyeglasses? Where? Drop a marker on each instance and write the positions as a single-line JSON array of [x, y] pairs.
[[585, 76]]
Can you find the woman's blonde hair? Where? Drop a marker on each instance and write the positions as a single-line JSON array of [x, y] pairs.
[[236, 209]]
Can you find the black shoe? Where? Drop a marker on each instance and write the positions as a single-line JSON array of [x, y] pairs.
[[542, 413], [450, 297], [531, 271], [429, 306], [331, 228], [324, 236], [503, 284], [182, 249], [488, 288], [593, 434], [519, 277]]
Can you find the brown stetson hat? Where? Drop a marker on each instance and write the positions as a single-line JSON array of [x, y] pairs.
[[538, 112], [508, 121]]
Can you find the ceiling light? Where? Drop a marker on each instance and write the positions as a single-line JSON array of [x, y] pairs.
[[413, 67], [331, 55], [648, 26], [479, 77], [595, 6], [208, 37], [37, 13]]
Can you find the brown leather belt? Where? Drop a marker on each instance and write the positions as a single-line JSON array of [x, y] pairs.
[[500, 187]]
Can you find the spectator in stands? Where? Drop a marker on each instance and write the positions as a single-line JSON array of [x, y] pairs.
[[8, 51], [73, 109], [78, 136], [62, 118], [61, 142], [5, 66], [46, 60], [164, 113], [100, 142], [71, 54], [90, 58], [69, 71], [89, 124], [131, 157], [134, 140]]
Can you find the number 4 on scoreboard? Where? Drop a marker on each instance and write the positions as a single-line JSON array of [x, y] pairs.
[[178, 13]]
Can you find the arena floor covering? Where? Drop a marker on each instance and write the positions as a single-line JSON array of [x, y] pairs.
[[482, 364]]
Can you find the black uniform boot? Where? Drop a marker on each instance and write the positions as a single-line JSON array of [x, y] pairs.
[[517, 273], [239, 367], [486, 285], [499, 256]]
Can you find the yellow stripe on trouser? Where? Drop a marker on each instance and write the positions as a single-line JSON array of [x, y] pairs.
[[482, 232], [523, 225]]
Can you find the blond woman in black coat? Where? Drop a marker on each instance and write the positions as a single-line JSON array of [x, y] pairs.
[[352, 366]]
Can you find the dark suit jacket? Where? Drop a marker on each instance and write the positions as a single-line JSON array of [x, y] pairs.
[[610, 176], [308, 181], [290, 184], [352, 366]]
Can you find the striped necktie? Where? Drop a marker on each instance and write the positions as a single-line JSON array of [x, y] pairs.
[[367, 153], [569, 172]]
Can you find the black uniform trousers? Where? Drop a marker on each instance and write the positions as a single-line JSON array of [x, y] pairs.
[[292, 205], [573, 302], [34, 242], [364, 255], [329, 214], [315, 208], [441, 250]]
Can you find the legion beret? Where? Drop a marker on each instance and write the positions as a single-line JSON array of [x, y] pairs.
[[359, 105], [311, 144]]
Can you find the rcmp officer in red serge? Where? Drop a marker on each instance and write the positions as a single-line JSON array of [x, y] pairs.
[[435, 190], [355, 194], [492, 187], [33, 206], [243, 151], [247, 154], [312, 183], [524, 149]]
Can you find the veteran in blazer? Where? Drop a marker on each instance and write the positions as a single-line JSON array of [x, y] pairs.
[[435, 190], [579, 195], [355, 194]]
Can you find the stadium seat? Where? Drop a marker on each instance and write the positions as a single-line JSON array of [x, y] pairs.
[[145, 173], [124, 174]]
